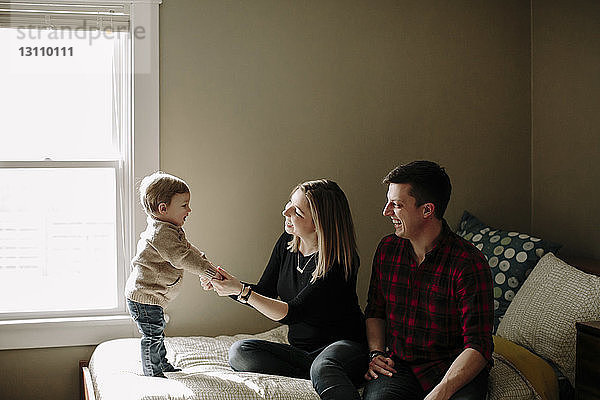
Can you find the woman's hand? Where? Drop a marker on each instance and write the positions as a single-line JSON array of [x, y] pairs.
[[227, 286]]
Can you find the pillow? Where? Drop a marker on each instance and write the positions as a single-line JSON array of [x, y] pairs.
[[536, 371], [542, 315], [506, 382], [511, 255]]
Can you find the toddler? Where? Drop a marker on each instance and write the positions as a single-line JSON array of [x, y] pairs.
[[163, 253]]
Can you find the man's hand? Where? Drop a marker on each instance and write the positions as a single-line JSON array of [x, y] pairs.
[[380, 365], [438, 393], [463, 369]]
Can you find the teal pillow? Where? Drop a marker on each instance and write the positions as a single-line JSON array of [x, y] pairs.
[[511, 256]]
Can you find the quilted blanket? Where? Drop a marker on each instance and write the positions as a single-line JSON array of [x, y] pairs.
[[116, 372]]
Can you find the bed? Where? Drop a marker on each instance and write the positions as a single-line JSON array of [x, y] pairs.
[[115, 373]]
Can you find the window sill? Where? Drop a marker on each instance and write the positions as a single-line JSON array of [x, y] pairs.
[[64, 332]]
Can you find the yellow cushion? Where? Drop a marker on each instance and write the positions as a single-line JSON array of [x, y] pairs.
[[537, 371]]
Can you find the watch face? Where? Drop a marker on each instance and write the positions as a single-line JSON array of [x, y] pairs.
[[244, 298], [375, 353]]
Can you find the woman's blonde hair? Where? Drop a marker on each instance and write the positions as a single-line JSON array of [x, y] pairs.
[[160, 187], [334, 226]]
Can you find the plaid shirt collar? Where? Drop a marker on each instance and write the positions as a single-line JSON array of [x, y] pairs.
[[438, 242]]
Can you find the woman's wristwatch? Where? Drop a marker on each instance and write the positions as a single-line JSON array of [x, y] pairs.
[[244, 293], [375, 353]]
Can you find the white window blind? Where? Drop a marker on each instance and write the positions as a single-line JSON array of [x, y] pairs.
[[89, 16]]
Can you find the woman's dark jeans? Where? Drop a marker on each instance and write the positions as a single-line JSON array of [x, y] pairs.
[[150, 320], [404, 385], [334, 370]]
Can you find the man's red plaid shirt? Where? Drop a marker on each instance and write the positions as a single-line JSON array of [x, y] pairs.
[[435, 310]]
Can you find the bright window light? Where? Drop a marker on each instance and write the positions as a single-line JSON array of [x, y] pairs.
[[57, 106], [57, 239], [74, 144], [65, 168]]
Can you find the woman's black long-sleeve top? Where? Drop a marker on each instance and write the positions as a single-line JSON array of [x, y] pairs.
[[319, 313]]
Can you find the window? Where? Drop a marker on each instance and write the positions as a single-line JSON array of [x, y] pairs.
[[68, 164]]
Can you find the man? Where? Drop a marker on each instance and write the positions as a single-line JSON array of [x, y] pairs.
[[430, 306]]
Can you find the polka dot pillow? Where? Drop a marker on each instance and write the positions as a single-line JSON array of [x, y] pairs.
[[511, 256]]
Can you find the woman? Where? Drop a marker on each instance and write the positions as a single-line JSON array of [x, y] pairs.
[[312, 271]]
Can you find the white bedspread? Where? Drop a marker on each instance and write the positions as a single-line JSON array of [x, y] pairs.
[[116, 371]]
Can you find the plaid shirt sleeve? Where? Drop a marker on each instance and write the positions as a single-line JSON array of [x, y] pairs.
[[475, 305], [376, 300]]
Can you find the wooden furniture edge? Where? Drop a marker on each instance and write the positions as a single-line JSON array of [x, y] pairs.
[[87, 386]]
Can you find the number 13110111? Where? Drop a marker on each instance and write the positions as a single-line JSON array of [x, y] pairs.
[[46, 51]]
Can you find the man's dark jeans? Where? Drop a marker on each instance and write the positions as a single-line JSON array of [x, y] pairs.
[[404, 385], [334, 370]]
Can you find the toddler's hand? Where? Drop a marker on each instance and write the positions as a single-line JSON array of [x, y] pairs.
[[228, 285], [205, 282]]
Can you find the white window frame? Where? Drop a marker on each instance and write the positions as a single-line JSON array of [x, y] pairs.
[[78, 331]]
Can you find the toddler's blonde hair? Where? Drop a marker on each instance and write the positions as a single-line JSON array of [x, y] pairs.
[[160, 187]]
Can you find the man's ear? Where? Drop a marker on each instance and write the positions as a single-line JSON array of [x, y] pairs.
[[428, 210], [162, 208]]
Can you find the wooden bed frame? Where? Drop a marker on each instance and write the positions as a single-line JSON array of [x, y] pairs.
[[587, 265], [87, 386]]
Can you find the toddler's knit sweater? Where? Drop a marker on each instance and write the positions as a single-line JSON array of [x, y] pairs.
[[163, 253]]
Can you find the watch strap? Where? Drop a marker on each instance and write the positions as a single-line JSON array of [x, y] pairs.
[[375, 353], [243, 298]]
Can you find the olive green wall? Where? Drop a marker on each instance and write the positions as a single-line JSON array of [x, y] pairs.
[[258, 96], [566, 124], [42, 373]]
